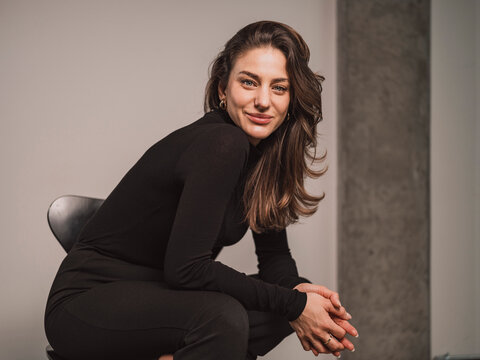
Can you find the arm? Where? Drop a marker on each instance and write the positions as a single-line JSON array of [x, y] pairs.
[[275, 262], [209, 171]]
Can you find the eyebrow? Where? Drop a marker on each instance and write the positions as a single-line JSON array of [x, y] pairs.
[[256, 77]]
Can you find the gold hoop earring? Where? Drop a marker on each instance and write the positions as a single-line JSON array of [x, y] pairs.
[[223, 104], [288, 116]]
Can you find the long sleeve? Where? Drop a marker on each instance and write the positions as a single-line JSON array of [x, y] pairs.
[[275, 262], [209, 170]]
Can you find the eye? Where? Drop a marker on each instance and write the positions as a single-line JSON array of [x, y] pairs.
[[279, 88], [247, 82]]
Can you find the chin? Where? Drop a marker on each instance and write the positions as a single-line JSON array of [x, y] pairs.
[[259, 131], [259, 135]]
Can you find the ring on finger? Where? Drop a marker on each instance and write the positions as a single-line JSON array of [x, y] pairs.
[[329, 339]]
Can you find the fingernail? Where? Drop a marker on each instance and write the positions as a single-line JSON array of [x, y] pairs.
[[358, 335], [349, 316], [339, 356], [353, 350]]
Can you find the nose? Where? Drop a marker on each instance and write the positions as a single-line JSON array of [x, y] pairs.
[[262, 98]]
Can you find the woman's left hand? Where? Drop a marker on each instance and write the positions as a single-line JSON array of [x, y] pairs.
[[340, 316]]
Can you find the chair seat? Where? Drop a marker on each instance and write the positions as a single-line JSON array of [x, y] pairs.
[[66, 216]]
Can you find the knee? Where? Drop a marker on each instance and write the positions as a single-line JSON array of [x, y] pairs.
[[228, 319], [219, 329], [233, 318]]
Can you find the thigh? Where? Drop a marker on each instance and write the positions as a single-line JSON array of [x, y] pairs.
[[129, 320]]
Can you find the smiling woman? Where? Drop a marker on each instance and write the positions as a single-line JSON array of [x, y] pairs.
[[142, 281], [256, 95], [263, 81]]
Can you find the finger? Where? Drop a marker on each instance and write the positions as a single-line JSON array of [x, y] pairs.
[[314, 351], [334, 345], [328, 341], [340, 312], [336, 330], [321, 290], [347, 343], [335, 299], [346, 326], [329, 294], [318, 345], [305, 344], [326, 293]]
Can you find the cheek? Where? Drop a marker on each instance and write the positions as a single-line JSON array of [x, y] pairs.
[[282, 105], [239, 96], [277, 125]]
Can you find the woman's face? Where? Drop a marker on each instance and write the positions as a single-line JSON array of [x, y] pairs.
[[258, 92]]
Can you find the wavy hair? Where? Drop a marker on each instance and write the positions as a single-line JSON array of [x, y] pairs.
[[275, 194]]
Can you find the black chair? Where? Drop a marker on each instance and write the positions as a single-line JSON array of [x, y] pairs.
[[68, 214], [66, 217]]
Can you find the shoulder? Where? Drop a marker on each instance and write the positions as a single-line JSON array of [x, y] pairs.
[[215, 135], [214, 132], [214, 145]]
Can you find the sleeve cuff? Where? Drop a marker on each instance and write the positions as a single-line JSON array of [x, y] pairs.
[[298, 305]]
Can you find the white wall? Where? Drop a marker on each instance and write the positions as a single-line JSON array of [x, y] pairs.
[[85, 88], [455, 177]]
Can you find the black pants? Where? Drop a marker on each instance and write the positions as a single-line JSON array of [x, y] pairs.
[[145, 319]]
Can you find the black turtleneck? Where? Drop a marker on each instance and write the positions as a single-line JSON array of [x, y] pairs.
[[169, 217]]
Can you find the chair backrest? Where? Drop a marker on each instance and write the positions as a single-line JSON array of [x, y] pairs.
[[68, 214]]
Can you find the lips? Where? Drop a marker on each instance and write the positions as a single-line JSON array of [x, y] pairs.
[[261, 119]]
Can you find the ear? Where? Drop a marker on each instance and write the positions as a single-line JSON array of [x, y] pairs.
[[221, 92]]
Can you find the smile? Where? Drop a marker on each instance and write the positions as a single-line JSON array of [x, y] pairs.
[[259, 118]]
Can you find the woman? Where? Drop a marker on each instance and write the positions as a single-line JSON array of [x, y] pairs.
[[142, 283]]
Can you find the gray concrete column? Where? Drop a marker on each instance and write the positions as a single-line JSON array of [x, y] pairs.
[[384, 97]]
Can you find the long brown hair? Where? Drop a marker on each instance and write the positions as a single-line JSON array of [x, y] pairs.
[[275, 194]]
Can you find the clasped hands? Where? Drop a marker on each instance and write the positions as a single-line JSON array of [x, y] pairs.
[[323, 324]]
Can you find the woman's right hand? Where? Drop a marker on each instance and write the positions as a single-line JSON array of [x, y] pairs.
[[315, 326]]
